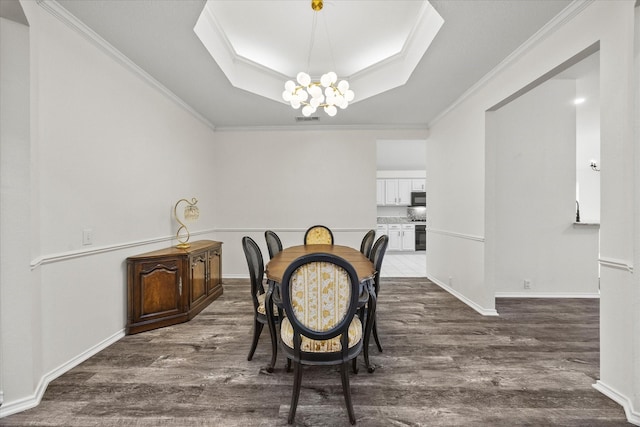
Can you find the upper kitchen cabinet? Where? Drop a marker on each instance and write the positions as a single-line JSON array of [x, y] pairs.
[[397, 191], [418, 185]]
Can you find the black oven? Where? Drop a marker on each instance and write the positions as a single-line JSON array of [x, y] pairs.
[[421, 238], [418, 198]]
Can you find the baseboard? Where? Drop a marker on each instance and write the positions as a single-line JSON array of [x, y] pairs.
[[546, 295], [234, 276], [632, 416], [10, 408], [467, 301]]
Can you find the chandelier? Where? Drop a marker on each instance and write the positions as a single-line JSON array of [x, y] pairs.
[[327, 93]]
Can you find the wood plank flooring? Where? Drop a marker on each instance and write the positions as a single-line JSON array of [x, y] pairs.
[[443, 365]]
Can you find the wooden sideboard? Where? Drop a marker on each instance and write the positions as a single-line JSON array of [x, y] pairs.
[[172, 285]]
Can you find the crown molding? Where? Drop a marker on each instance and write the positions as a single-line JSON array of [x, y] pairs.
[[308, 127], [64, 16], [566, 15]]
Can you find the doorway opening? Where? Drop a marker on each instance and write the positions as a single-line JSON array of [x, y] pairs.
[[402, 206], [543, 186]]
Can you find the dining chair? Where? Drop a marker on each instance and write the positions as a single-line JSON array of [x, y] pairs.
[[318, 235], [274, 245], [367, 242], [319, 293], [263, 313], [376, 256]]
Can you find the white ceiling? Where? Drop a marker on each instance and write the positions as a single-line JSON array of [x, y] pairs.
[[158, 36]]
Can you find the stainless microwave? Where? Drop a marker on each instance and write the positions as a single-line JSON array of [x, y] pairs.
[[418, 198]]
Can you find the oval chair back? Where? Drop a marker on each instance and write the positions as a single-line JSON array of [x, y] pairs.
[[256, 268], [367, 242], [318, 235], [274, 245]]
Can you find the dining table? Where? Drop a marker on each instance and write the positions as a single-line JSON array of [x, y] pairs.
[[364, 268]]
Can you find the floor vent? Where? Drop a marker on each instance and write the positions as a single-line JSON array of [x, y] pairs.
[[307, 119]]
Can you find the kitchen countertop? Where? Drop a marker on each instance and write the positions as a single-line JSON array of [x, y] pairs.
[[398, 220]]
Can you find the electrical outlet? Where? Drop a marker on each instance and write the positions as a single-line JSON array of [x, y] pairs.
[[527, 284], [87, 237], [451, 281]]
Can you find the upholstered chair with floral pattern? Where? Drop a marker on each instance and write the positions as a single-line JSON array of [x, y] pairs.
[[318, 235], [260, 296], [320, 297]]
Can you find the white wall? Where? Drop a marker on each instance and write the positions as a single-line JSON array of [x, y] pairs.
[[18, 299], [534, 201], [289, 180], [588, 145], [107, 151], [396, 155], [456, 182]]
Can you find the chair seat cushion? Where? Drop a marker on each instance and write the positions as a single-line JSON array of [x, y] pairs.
[[325, 346], [261, 307]]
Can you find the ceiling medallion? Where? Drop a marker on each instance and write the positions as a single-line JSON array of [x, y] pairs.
[[310, 94]]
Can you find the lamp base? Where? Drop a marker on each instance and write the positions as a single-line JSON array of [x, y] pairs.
[[183, 245]]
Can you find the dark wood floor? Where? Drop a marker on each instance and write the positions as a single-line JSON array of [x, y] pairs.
[[443, 365]]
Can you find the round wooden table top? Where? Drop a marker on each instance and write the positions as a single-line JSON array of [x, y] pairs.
[[279, 263]]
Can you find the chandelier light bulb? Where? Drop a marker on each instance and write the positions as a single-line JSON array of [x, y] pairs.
[[303, 78], [325, 80], [308, 110], [330, 110], [349, 95], [290, 86]]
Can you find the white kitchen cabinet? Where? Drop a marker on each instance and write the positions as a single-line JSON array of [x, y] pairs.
[[402, 237], [404, 192], [380, 192], [397, 192], [381, 230], [408, 237], [395, 237], [418, 184]]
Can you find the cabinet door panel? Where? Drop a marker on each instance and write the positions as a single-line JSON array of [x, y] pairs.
[[198, 277], [404, 192], [391, 192], [395, 238], [408, 240], [160, 290], [215, 280]]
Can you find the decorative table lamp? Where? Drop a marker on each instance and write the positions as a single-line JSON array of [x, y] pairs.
[[191, 213]]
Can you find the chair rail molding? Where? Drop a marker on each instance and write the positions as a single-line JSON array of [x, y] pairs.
[[62, 256], [616, 263], [454, 234]]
